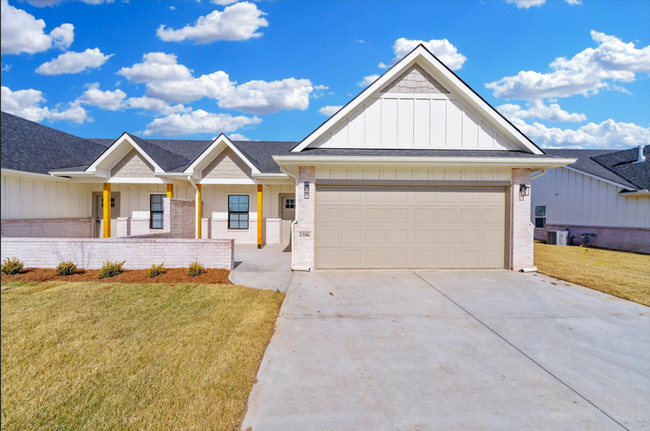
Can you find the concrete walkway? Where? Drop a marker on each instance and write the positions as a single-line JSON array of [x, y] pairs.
[[266, 268], [402, 350]]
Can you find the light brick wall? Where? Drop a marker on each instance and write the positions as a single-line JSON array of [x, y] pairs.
[[272, 227], [522, 231], [48, 228], [132, 166], [227, 165], [611, 237], [179, 217], [304, 246], [139, 253], [415, 80]]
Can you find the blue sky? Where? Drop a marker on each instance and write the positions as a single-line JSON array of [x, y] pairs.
[[265, 70]]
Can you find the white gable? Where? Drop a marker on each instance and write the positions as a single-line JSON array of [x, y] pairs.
[[418, 104]]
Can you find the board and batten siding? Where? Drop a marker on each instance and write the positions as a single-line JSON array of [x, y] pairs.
[[25, 198], [324, 173], [413, 121], [572, 198]]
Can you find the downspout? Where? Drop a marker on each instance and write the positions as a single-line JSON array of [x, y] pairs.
[[293, 223], [196, 191]]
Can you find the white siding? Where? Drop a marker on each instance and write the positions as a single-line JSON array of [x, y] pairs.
[[572, 198], [325, 173], [413, 121]]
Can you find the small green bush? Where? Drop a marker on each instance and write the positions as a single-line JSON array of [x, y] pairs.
[[12, 265], [111, 269], [66, 268], [156, 269], [195, 268]]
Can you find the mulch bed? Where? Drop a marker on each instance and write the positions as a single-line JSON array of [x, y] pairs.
[[140, 276]]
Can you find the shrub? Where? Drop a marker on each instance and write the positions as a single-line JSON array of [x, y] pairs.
[[156, 270], [66, 268], [195, 268], [12, 265], [111, 269]]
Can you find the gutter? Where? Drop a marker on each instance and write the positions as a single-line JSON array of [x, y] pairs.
[[538, 175], [635, 193], [293, 224]]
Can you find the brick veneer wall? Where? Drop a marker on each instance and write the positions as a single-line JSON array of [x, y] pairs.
[[179, 217], [611, 237], [48, 228], [521, 229], [304, 246], [139, 253]]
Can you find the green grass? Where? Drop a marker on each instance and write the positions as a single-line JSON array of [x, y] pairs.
[[619, 273], [83, 356]]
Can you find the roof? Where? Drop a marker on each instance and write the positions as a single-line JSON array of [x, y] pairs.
[[31, 147], [612, 165], [163, 158]]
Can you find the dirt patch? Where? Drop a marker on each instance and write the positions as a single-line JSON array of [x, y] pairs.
[[140, 276]]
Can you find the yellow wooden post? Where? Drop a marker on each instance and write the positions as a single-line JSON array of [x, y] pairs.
[[107, 210], [170, 190], [198, 211], [259, 215]]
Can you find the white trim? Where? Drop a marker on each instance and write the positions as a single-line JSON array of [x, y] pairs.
[[634, 193], [138, 180], [242, 181], [15, 173], [597, 177], [449, 80], [118, 142], [220, 139]]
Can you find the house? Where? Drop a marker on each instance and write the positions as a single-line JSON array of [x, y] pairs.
[[601, 199], [417, 171]]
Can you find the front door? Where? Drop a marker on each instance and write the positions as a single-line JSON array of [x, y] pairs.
[[288, 214], [98, 214]]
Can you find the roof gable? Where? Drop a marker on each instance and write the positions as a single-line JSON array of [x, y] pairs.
[[418, 104], [221, 143]]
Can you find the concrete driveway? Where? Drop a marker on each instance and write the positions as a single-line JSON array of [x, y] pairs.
[[431, 350]]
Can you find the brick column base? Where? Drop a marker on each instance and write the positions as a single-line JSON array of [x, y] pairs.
[[304, 229], [521, 228]]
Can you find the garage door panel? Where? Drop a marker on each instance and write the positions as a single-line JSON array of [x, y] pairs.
[[417, 227]]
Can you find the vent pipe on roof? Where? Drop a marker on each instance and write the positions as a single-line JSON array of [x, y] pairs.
[[641, 156]]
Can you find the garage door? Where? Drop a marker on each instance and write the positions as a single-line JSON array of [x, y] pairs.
[[410, 227]]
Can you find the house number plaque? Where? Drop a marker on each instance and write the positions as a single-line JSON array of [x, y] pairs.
[[304, 234]]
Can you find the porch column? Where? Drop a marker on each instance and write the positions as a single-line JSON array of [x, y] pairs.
[[170, 190], [521, 228], [198, 211], [260, 215], [107, 211]]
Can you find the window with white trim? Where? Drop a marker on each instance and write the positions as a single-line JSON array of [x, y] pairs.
[[156, 214], [540, 217], [237, 211]]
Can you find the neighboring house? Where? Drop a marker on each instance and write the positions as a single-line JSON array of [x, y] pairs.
[[604, 193], [417, 171]]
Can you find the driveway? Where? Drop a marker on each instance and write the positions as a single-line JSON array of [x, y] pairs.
[[430, 350]]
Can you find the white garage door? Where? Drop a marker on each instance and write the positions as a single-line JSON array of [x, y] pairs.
[[410, 227]]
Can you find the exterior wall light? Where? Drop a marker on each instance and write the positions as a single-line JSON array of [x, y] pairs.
[[524, 190], [306, 189]]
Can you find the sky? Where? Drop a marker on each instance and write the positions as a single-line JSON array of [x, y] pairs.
[[568, 73]]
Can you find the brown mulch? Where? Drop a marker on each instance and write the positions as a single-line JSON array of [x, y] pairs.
[[140, 276]]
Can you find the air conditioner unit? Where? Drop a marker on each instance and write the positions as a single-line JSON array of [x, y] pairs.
[[557, 237]]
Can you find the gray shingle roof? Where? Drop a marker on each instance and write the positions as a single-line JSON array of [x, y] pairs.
[[622, 163], [587, 162], [31, 147], [261, 153], [163, 158]]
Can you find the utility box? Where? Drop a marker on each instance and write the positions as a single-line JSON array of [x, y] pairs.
[[557, 237]]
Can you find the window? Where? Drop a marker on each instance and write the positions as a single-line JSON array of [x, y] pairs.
[[540, 217], [290, 203], [156, 211], [238, 212]]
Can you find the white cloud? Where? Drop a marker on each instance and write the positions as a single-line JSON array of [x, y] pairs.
[[172, 7], [149, 104], [261, 97], [237, 22], [238, 137], [329, 110], [21, 32], [367, 80], [526, 4], [608, 134], [537, 109], [198, 121], [109, 100], [27, 104], [156, 66], [585, 73], [74, 62], [44, 3], [441, 48], [173, 83], [224, 2], [6, 68]]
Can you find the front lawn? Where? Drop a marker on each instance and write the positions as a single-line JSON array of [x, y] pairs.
[[93, 356], [619, 273]]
